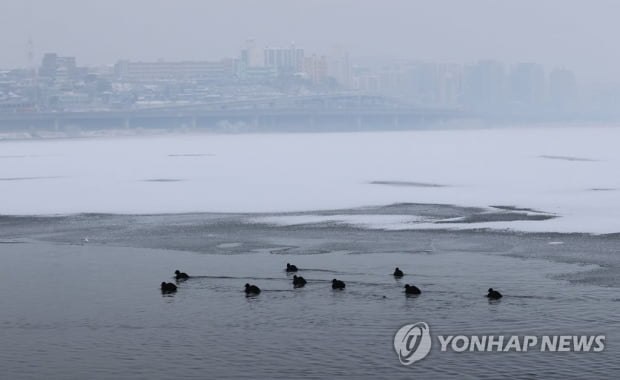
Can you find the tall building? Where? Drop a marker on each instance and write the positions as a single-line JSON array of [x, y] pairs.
[[527, 84], [286, 60], [316, 69], [424, 78], [339, 66], [48, 65], [252, 55], [54, 67], [450, 84], [562, 88], [484, 85]]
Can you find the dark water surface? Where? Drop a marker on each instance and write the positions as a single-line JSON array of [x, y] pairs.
[[74, 309]]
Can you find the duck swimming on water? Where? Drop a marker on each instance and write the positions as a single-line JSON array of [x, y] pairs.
[[251, 290], [299, 282], [398, 273], [494, 294], [181, 275], [412, 290], [291, 268], [168, 287], [337, 284]]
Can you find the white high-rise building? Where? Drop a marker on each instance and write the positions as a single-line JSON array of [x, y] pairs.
[[252, 55], [289, 59]]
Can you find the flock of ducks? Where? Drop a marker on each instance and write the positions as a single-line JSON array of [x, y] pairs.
[[300, 282]]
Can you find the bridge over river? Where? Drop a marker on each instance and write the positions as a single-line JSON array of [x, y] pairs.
[[316, 112]]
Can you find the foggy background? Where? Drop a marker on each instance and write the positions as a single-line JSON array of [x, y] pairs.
[[247, 65], [581, 35]]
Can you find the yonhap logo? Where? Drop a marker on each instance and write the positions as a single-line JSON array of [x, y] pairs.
[[412, 342]]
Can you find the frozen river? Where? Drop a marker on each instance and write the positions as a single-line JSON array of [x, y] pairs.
[[567, 172]]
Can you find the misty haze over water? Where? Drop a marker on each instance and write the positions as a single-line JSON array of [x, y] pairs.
[[405, 63]]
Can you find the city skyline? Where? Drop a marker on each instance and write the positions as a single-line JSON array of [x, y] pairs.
[[271, 55], [554, 33], [486, 86]]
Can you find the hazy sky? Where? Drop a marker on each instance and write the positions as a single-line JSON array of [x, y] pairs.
[[579, 34]]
